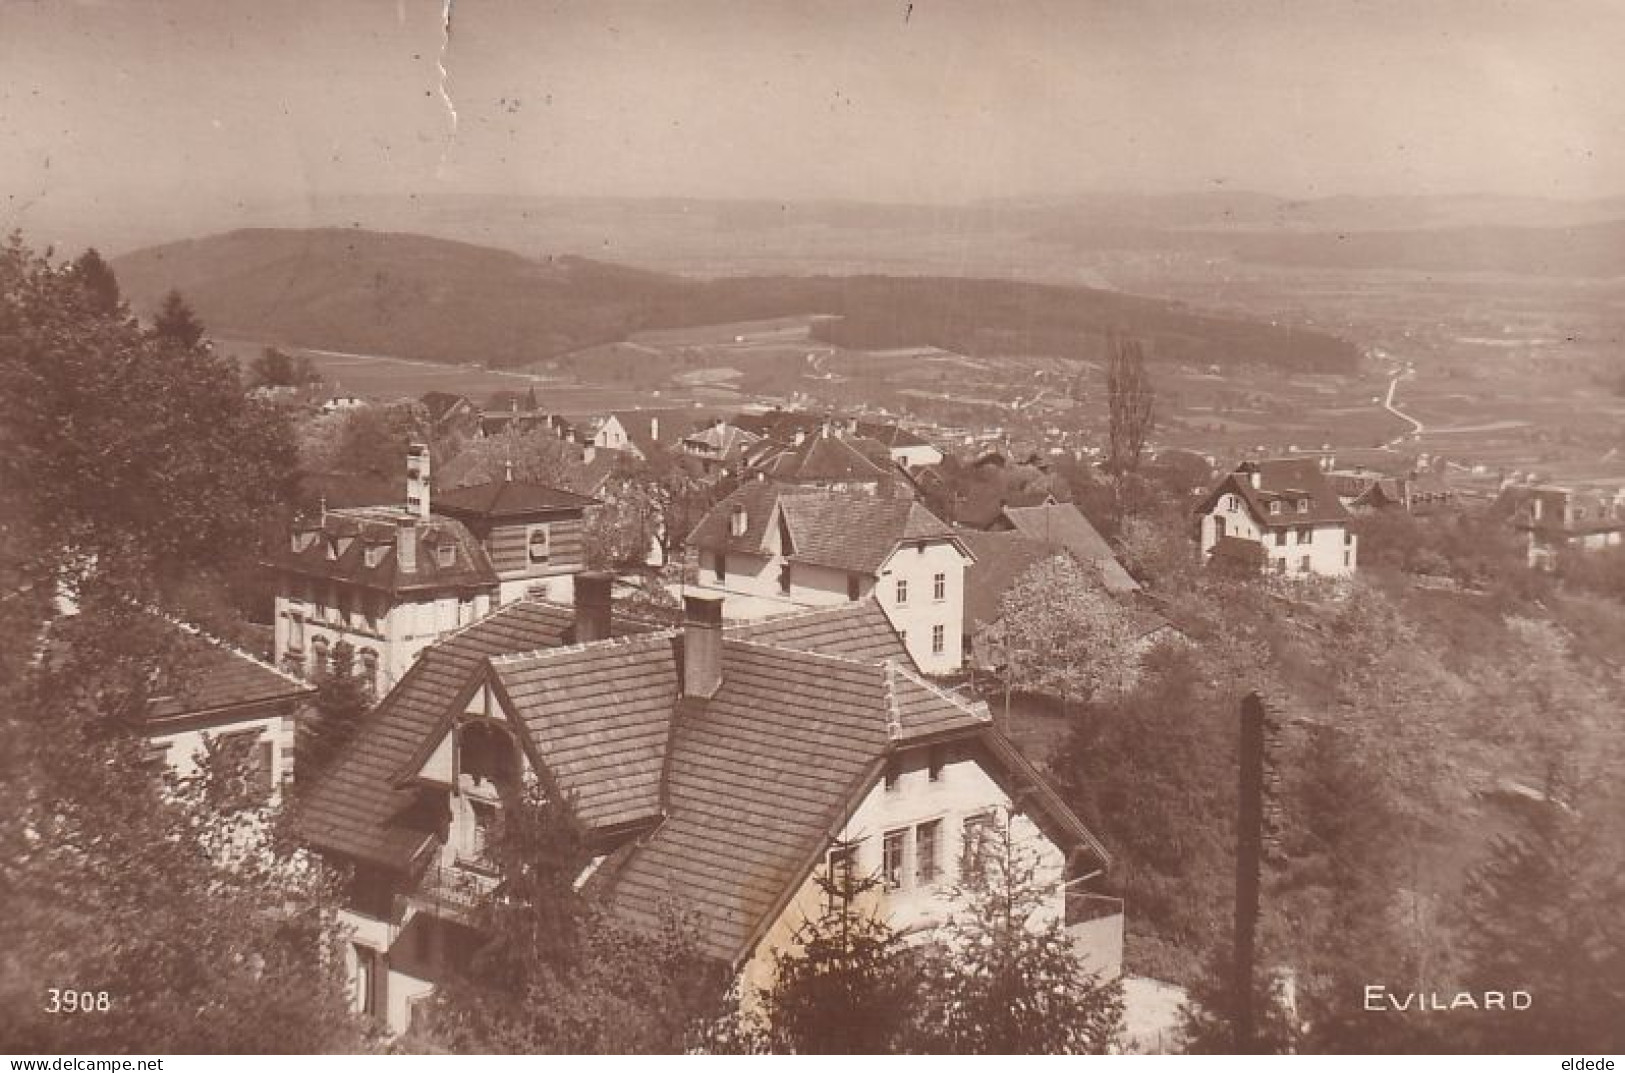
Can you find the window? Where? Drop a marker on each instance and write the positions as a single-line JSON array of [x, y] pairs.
[[852, 586], [1275, 506], [465, 611], [902, 590], [939, 587], [368, 981], [481, 832], [448, 554], [1231, 503], [1306, 535], [938, 757], [1348, 558], [939, 639], [539, 544], [1280, 565], [891, 859], [1218, 528], [721, 567], [894, 771], [927, 865], [1348, 537], [784, 579], [296, 631], [1303, 564], [1280, 538], [318, 648], [1303, 506], [977, 838]]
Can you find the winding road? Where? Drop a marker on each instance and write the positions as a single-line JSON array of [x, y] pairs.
[[1417, 428]]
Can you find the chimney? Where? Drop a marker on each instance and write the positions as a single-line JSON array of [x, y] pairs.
[[654, 429], [592, 599], [417, 479], [406, 545], [702, 645]]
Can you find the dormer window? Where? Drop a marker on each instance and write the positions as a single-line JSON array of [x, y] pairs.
[[538, 542], [1303, 506], [1275, 506], [447, 555], [738, 521], [375, 554]]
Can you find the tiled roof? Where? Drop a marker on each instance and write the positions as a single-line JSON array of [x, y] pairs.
[[827, 458], [758, 778], [1064, 524], [1287, 480], [212, 675], [714, 532], [855, 532], [496, 499], [441, 403], [354, 809], [599, 716], [857, 630], [358, 528]]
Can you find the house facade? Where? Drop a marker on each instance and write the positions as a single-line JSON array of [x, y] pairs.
[[848, 755], [773, 548], [1280, 515], [1556, 518], [391, 580]]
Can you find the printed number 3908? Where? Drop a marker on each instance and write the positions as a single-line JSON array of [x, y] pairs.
[[58, 1000]]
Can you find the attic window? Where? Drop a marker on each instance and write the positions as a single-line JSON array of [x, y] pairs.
[[1275, 506], [447, 555], [332, 548], [1303, 506], [738, 521], [375, 554]]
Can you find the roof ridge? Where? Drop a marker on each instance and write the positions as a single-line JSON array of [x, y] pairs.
[[796, 616], [774, 647], [605, 643]]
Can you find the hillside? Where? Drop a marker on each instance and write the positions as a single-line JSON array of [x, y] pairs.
[[436, 300]]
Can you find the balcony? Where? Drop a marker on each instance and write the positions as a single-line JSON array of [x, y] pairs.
[[453, 892], [1095, 924]]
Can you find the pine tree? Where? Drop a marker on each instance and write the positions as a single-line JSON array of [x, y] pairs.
[[842, 985], [176, 323], [98, 281], [343, 697], [1003, 976]]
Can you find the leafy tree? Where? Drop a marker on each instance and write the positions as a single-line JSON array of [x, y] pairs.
[[277, 368], [1542, 915], [1063, 635], [842, 986], [176, 898], [1130, 404], [1003, 977], [124, 458], [537, 456], [623, 529], [176, 323], [98, 281]]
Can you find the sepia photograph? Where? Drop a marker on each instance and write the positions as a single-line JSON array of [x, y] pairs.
[[811, 527]]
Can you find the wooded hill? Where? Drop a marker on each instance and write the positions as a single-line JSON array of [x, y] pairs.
[[431, 299]]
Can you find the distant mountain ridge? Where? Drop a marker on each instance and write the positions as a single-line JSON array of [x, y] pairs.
[[433, 299]]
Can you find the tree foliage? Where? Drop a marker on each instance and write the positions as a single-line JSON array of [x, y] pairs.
[[1063, 635], [277, 368], [99, 282], [1002, 976], [176, 323], [1130, 404]]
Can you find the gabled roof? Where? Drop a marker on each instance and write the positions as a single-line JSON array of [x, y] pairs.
[[356, 529], [825, 459], [598, 716], [213, 676], [1064, 524], [354, 809], [440, 404], [758, 777], [856, 532], [1286, 480], [857, 630], [501, 499]]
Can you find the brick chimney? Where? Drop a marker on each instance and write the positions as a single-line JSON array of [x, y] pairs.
[[406, 545], [592, 600], [702, 645], [418, 485]]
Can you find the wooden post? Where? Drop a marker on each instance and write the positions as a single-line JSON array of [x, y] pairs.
[[1249, 858]]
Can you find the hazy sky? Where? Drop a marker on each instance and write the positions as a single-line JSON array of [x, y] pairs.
[[934, 101]]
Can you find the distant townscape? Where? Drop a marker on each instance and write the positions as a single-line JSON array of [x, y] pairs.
[[789, 680]]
